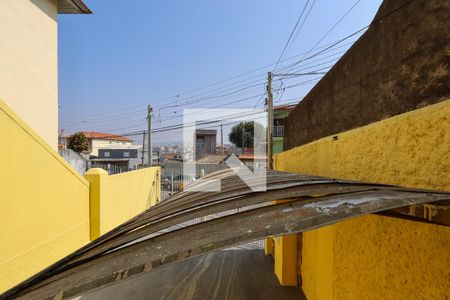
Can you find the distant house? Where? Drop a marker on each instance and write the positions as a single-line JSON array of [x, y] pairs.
[[63, 140], [205, 142], [99, 140], [249, 158], [279, 115], [118, 158]]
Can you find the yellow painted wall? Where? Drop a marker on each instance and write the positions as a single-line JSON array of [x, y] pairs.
[[47, 207], [285, 256], [375, 257], [411, 149], [28, 63], [44, 203], [285, 259], [268, 246], [117, 198], [379, 257], [317, 263]]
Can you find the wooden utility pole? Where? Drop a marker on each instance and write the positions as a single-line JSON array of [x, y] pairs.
[[143, 148], [269, 121], [149, 132], [221, 140]]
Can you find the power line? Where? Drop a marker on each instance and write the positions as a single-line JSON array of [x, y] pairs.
[[251, 97], [313, 80], [303, 23], [175, 117], [182, 125], [330, 46], [205, 122], [121, 110], [375, 21], [291, 34], [219, 106], [332, 28], [325, 49], [139, 113]]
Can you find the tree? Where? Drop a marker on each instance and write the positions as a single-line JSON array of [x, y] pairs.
[[242, 134], [78, 142]]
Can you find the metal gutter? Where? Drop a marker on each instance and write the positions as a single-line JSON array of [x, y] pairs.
[[73, 7]]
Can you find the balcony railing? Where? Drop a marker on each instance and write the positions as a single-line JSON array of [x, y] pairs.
[[278, 130]]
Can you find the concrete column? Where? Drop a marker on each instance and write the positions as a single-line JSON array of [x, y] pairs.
[[96, 178]]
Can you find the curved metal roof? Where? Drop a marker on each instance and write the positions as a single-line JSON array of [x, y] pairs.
[[176, 229]]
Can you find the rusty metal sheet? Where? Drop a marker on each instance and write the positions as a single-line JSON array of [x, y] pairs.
[[151, 239]]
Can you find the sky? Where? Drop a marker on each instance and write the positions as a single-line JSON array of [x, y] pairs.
[[178, 54]]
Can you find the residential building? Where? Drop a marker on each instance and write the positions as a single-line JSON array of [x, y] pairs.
[[249, 158], [48, 208], [63, 140], [99, 140], [205, 142], [118, 158], [279, 115], [29, 60]]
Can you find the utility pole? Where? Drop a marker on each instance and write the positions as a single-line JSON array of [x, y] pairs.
[[269, 121], [143, 147], [221, 140], [149, 132]]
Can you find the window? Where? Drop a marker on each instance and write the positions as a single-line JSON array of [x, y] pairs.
[[278, 122], [126, 154], [106, 154], [200, 142]]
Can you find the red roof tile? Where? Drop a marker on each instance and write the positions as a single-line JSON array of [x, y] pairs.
[[285, 107], [105, 136], [252, 157], [249, 153]]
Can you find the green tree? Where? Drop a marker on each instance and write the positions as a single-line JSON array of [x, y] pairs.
[[242, 134], [78, 142]]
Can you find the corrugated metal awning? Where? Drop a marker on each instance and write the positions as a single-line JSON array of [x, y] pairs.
[[176, 229]]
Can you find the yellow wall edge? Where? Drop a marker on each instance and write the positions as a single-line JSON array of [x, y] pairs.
[[375, 257], [32, 134], [95, 177], [285, 259], [48, 209], [44, 203], [117, 198]]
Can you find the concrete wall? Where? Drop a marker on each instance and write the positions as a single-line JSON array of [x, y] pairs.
[[176, 167], [74, 159], [28, 63], [48, 209], [43, 200], [375, 257], [118, 198], [398, 65]]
